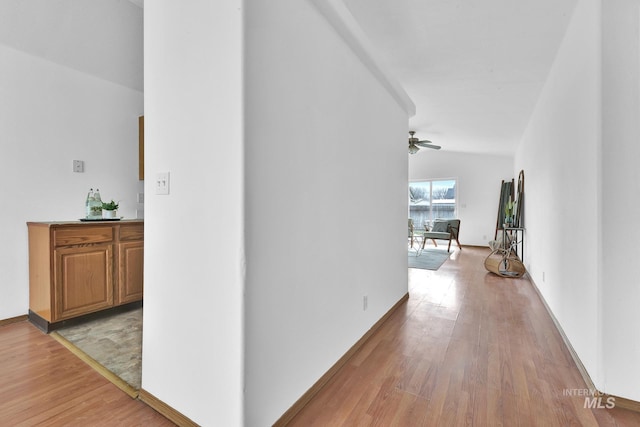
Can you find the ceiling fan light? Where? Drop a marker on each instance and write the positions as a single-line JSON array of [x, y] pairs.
[[413, 149]]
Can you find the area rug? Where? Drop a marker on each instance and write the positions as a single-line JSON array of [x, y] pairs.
[[114, 342], [428, 259]]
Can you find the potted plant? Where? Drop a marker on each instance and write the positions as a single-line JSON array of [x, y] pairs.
[[109, 210]]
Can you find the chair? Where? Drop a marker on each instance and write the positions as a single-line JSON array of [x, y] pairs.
[[414, 234], [443, 229]]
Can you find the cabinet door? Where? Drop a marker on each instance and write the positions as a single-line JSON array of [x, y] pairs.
[[130, 280], [83, 280]]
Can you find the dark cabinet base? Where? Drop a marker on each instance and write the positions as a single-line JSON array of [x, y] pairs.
[[46, 326]]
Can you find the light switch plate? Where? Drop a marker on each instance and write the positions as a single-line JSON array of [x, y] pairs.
[[162, 183], [78, 166]]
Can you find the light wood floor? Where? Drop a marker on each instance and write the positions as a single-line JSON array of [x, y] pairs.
[[467, 348], [44, 384]]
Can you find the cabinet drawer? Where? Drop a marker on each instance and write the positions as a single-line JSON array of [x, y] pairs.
[[132, 232], [82, 235]]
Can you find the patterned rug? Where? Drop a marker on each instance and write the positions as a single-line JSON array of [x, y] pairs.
[[114, 342], [428, 259]]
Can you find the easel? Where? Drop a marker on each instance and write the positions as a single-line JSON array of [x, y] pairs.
[[504, 260]]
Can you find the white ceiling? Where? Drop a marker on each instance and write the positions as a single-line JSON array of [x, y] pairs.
[[473, 68]]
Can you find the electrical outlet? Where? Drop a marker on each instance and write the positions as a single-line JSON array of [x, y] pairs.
[[365, 303], [140, 197]]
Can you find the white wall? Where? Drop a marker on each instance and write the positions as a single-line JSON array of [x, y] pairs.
[[620, 203], [326, 186], [580, 155], [102, 38], [193, 314], [559, 154], [479, 179], [49, 116]]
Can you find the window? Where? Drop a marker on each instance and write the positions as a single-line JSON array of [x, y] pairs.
[[433, 199]]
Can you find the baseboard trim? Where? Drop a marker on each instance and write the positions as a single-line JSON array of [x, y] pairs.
[[620, 402], [583, 371], [14, 320], [45, 326], [628, 404], [164, 409], [315, 388]]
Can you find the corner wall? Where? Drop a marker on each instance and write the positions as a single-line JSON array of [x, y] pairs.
[[580, 154], [620, 203], [194, 261], [560, 156], [326, 197]]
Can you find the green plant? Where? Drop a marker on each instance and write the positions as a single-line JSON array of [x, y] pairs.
[[509, 208], [111, 206]]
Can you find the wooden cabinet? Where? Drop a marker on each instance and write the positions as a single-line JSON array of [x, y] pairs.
[[83, 280], [130, 261], [76, 268]]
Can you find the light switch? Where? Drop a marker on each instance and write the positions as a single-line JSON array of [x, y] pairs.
[[162, 183], [78, 166]]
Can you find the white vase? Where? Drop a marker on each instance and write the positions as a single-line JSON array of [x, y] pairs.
[[109, 214]]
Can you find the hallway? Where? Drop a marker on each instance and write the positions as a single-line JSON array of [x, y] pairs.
[[467, 348]]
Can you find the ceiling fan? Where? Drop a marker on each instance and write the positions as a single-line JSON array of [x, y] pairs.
[[415, 144]]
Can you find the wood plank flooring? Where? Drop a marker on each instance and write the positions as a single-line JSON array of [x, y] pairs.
[[467, 348], [44, 384]]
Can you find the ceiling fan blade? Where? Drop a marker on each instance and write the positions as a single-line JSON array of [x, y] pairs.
[[414, 144], [425, 145]]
